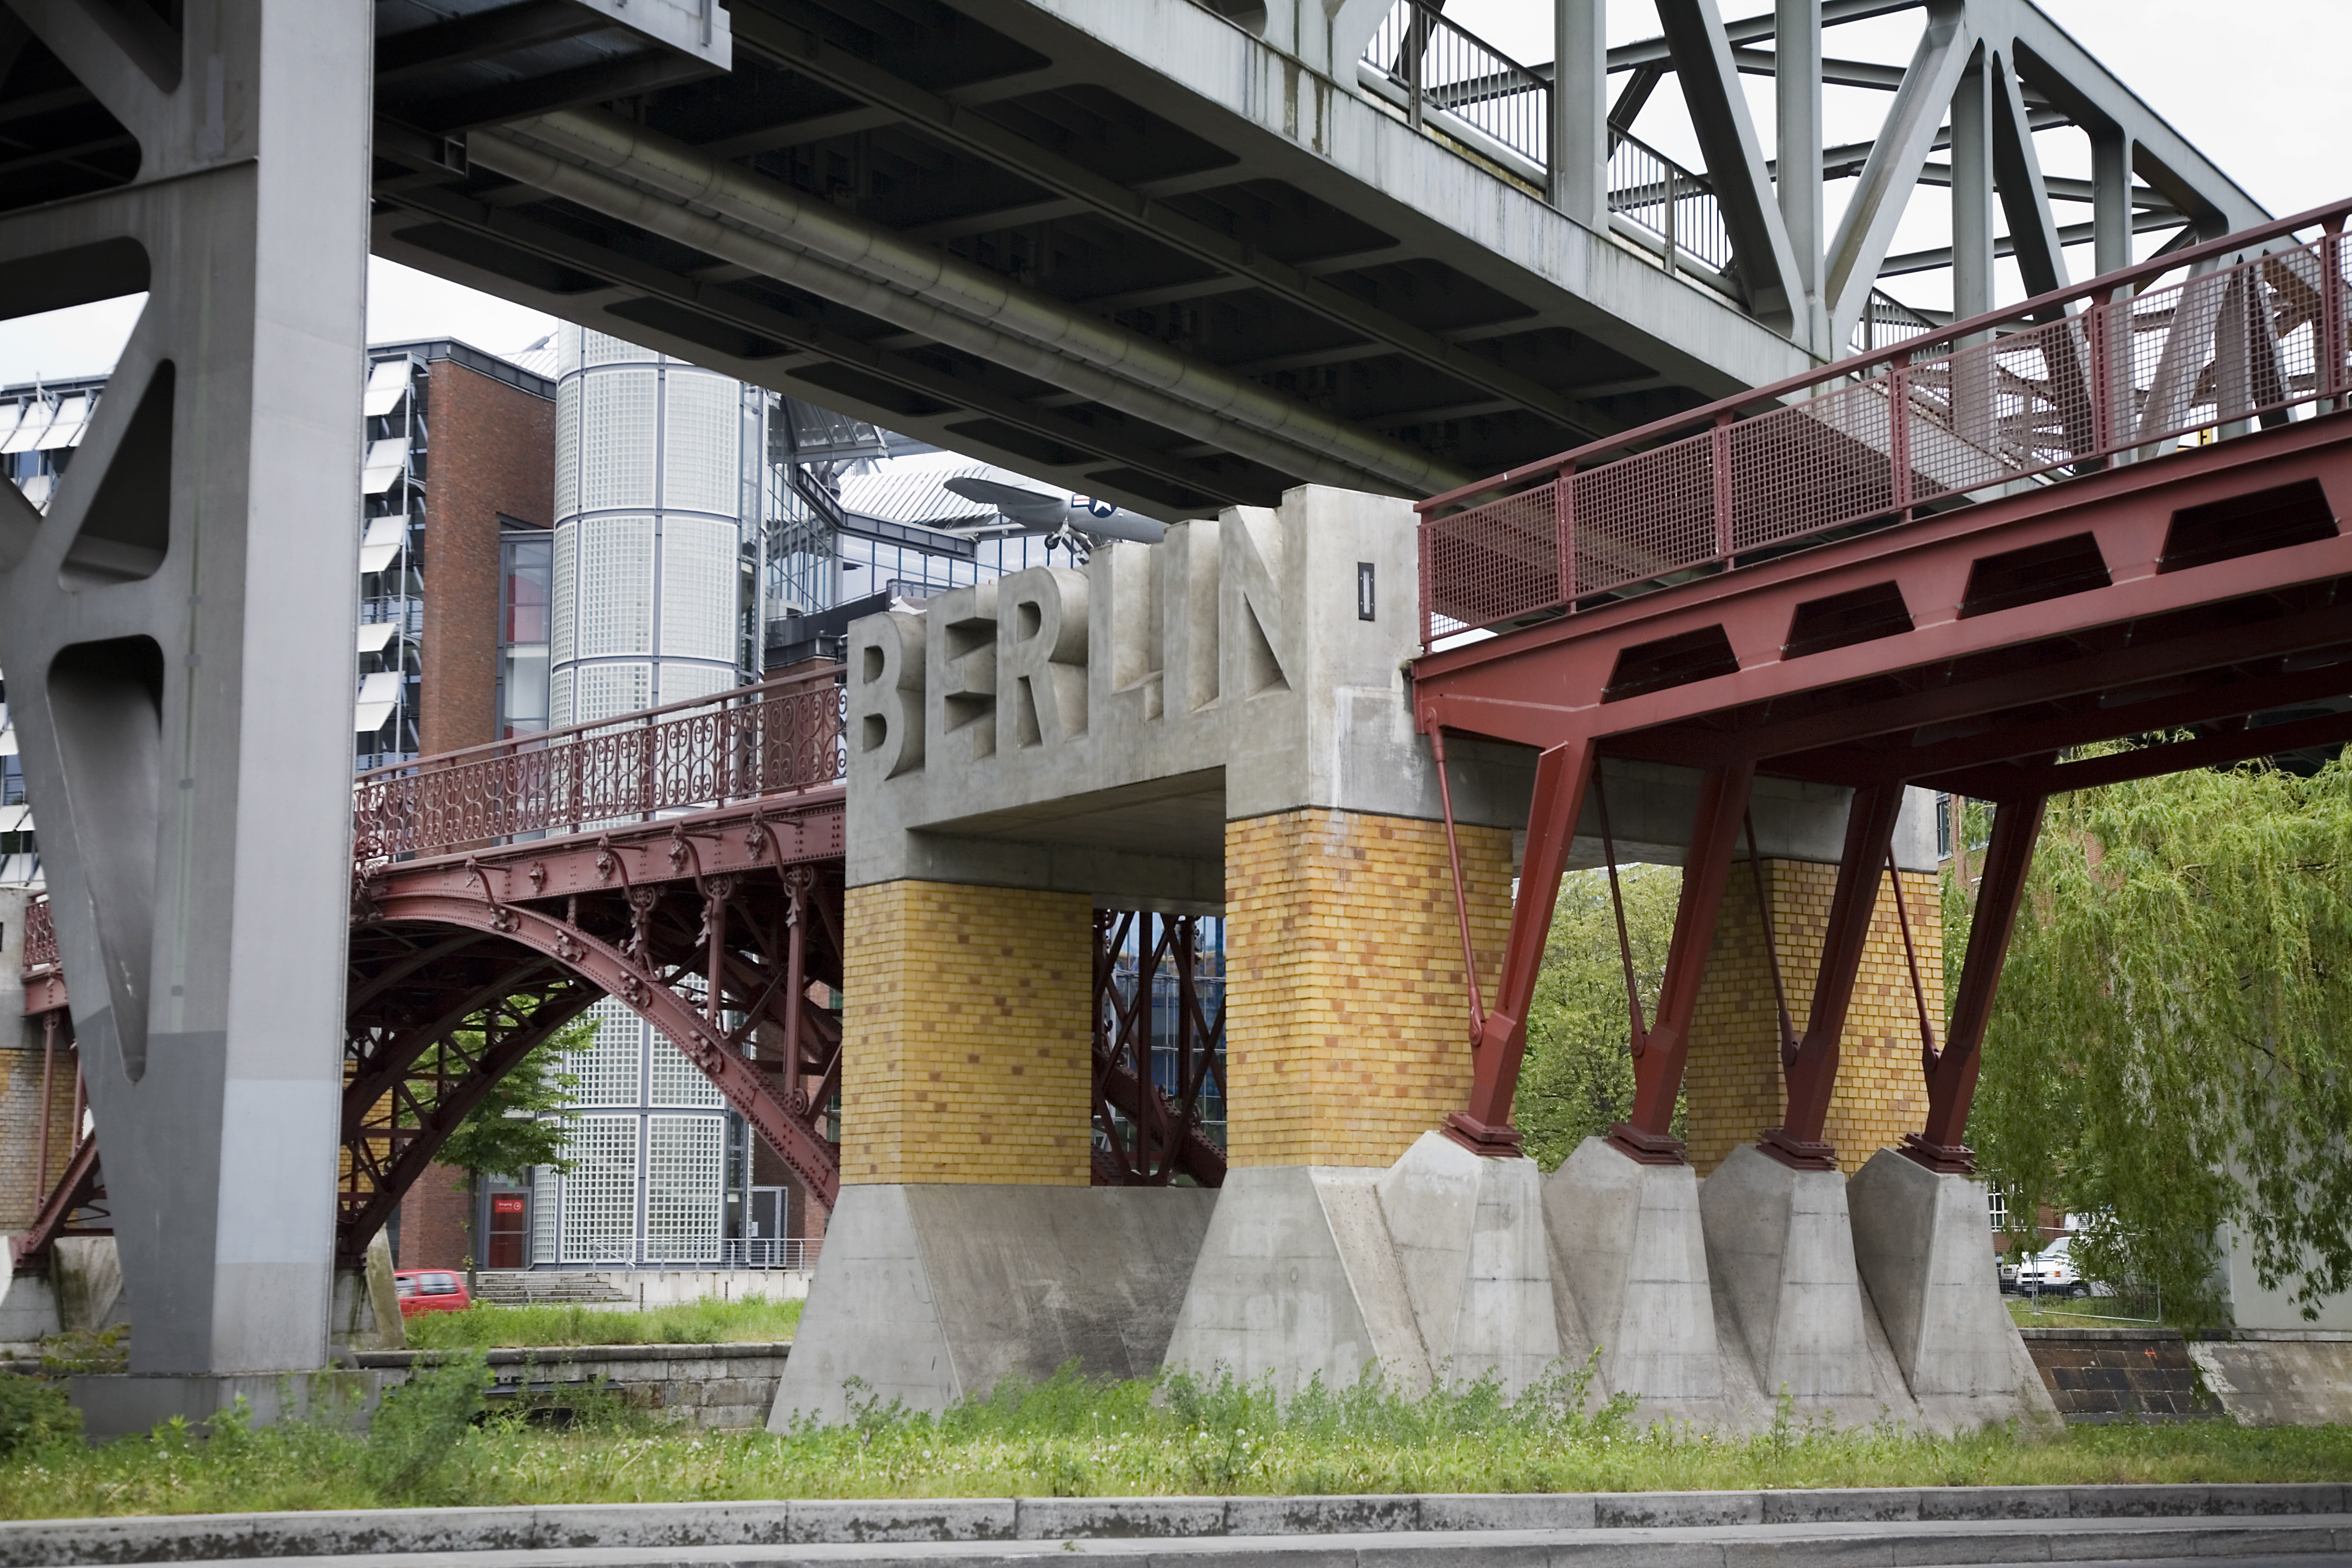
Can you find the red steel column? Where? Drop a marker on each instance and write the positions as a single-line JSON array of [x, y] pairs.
[[1648, 1135], [1561, 775], [1952, 1076], [1869, 829]]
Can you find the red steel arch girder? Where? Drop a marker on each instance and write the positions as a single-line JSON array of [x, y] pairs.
[[373, 1186], [744, 1087]]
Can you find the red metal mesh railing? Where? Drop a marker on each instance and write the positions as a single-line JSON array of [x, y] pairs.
[[2199, 346], [758, 741], [40, 937]]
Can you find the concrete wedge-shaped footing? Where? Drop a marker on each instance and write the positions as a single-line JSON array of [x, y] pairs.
[[1627, 1243], [1298, 1281], [1779, 1242], [929, 1294], [1433, 1271], [1920, 1245], [1470, 1244]]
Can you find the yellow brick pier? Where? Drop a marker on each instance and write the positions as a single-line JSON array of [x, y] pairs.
[[970, 1057], [1346, 1022]]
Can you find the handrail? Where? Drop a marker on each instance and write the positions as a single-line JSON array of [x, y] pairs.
[[2102, 371], [779, 737], [1427, 64]]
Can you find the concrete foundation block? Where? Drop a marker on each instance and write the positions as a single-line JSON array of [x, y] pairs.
[[1469, 1239], [1921, 1246], [929, 1294], [88, 1273], [1627, 1242], [1781, 1243], [117, 1405], [1297, 1279], [1434, 1269]]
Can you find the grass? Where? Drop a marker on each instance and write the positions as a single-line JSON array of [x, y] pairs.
[[2083, 1312], [1066, 1437], [706, 1322]]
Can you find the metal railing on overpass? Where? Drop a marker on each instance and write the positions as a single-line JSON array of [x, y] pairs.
[[777, 738], [2204, 343], [1446, 80]]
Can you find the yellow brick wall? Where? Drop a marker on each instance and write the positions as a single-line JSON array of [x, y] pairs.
[[967, 1056], [1733, 1078], [1347, 1023]]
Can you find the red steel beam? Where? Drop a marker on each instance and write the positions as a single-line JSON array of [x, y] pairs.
[[1659, 1056], [1952, 1074], [1801, 1138], [2147, 762], [1484, 1127]]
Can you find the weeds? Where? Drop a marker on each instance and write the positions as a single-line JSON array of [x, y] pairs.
[[707, 1322], [88, 1350], [436, 1442]]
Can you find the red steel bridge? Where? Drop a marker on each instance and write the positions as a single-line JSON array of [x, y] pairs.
[[2109, 513], [687, 860]]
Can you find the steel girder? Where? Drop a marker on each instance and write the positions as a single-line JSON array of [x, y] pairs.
[[711, 927], [1148, 1132], [1966, 651]]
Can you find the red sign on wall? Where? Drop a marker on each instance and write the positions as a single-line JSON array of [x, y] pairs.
[[506, 1203]]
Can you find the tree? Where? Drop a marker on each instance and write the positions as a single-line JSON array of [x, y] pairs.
[[1578, 1076], [520, 1124], [2169, 1047]]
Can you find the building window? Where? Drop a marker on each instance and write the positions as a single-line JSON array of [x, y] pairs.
[[526, 573]]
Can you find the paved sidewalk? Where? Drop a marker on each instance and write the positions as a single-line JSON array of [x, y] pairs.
[[1894, 1525], [2141, 1543]]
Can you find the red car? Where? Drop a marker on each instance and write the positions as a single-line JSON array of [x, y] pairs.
[[430, 1291]]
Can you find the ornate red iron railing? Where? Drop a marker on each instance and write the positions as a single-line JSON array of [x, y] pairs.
[[40, 937], [776, 738], [2205, 342]]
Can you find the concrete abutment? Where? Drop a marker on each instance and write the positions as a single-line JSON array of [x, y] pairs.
[[1221, 723]]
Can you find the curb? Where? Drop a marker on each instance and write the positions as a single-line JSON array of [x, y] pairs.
[[2234, 1515]]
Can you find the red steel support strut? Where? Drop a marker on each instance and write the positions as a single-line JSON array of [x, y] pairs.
[[1561, 775], [1952, 1077], [1869, 829], [1648, 1134]]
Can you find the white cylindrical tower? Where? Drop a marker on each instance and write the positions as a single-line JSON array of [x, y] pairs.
[[647, 608], [649, 496]]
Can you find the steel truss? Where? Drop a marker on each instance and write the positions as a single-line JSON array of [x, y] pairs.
[[1972, 650], [1149, 1132]]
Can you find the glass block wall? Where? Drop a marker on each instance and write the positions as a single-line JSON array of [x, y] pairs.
[[649, 1137], [653, 555]]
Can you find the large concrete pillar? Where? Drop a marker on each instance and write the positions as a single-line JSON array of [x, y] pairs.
[[178, 633], [1346, 1032]]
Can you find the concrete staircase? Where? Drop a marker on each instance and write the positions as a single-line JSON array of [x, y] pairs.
[[519, 1287]]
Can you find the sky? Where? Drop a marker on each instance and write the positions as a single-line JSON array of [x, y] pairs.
[[2252, 94]]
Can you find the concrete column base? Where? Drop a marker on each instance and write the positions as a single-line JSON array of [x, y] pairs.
[[929, 1294], [118, 1404], [1781, 1249], [1632, 1264], [1434, 1269], [1921, 1246]]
